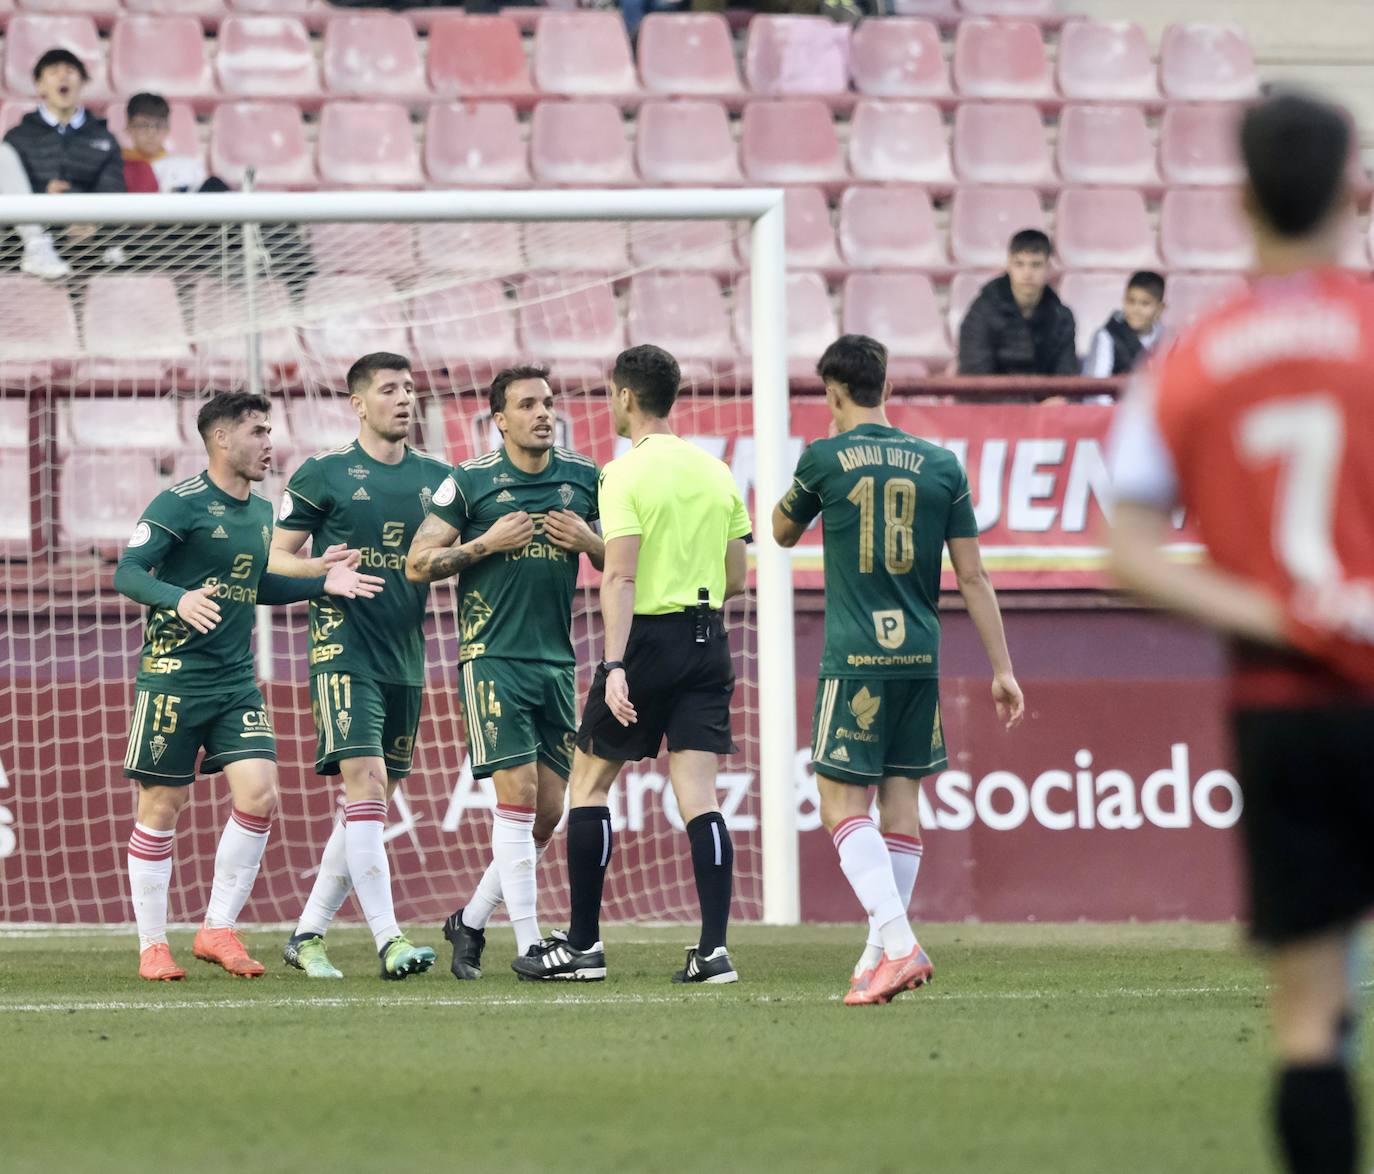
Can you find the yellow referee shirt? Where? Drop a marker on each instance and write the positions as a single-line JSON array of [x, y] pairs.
[[685, 507]]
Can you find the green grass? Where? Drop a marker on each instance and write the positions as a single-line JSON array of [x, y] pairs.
[[1052, 1048]]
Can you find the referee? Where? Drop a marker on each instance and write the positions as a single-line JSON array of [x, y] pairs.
[[675, 529]]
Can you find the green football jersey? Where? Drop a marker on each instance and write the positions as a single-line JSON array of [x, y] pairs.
[[888, 501], [196, 534], [518, 604], [343, 495]]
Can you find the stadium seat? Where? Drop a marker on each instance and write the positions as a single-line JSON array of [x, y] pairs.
[[208, 12], [688, 54], [1198, 144], [890, 228], [897, 58], [900, 309], [583, 53], [1207, 63], [1104, 228], [104, 520], [162, 54], [571, 324], [133, 332], [490, 248], [1001, 143], [103, 12], [944, 12], [31, 34], [1093, 298], [37, 324], [811, 325], [1106, 145], [684, 314], [266, 57], [14, 423], [592, 246], [790, 141], [791, 55], [473, 143], [138, 423], [467, 330], [810, 233], [267, 136], [579, 143], [962, 291], [899, 142], [683, 244], [1202, 228], [346, 315], [1106, 61], [1001, 59], [477, 56], [386, 249], [219, 321], [685, 142], [367, 144], [1188, 295], [184, 138], [16, 535], [372, 55], [1025, 9], [983, 220]]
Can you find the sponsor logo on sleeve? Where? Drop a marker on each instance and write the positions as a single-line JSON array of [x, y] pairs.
[[446, 492], [141, 535]]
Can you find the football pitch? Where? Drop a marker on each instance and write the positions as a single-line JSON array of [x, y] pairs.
[[1063, 1048]]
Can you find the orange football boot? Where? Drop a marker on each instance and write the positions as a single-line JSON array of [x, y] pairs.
[[222, 947], [858, 987], [156, 965], [895, 975]]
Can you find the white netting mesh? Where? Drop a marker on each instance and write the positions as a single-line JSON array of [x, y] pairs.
[[102, 372]]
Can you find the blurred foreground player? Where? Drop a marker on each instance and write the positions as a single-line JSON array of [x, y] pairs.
[[890, 503], [198, 559], [1258, 421]]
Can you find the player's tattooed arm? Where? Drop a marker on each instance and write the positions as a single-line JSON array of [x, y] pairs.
[[433, 554]]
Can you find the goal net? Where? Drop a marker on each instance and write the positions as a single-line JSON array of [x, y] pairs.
[[101, 374]]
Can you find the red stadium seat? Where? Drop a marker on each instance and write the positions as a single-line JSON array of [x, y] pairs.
[[386, 249], [267, 136], [1199, 144], [1203, 228], [983, 220], [1106, 61], [899, 142], [683, 244], [1104, 228], [583, 53], [787, 55], [592, 246], [368, 144], [266, 57], [103, 12], [962, 290], [1093, 298], [811, 325], [208, 12], [1001, 143], [184, 138], [31, 34], [1106, 145], [573, 325], [790, 141], [470, 246], [372, 55], [477, 56], [163, 54], [141, 424], [688, 54], [684, 314], [900, 309], [219, 321], [686, 142], [466, 330], [945, 12], [1207, 63], [810, 233], [1026, 9], [890, 228], [897, 58], [133, 331], [1001, 59], [36, 325], [104, 520], [16, 535], [14, 423], [346, 316], [467, 144], [1189, 295], [579, 143]]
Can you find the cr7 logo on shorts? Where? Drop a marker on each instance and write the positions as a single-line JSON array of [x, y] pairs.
[[256, 724]]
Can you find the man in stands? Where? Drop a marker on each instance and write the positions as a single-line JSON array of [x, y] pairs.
[[60, 147], [1017, 325]]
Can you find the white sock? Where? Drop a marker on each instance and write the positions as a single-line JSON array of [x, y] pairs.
[[904, 854], [864, 859], [332, 884], [486, 898], [364, 824], [150, 874], [513, 854], [236, 867]]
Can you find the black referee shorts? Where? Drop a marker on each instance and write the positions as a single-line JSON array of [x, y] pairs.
[[679, 688], [1307, 778]]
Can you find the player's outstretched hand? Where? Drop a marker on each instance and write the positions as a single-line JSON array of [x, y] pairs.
[[199, 609], [512, 532], [618, 698], [343, 580], [569, 531], [1006, 694], [339, 553]]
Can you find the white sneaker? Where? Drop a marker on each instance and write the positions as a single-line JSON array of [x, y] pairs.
[[41, 259]]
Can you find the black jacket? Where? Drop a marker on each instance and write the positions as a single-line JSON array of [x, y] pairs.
[[87, 157], [997, 339]]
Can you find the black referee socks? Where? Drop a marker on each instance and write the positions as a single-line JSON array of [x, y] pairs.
[[1315, 1114], [713, 861], [589, 854]]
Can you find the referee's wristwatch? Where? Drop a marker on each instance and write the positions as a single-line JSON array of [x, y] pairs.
[[608, 666]]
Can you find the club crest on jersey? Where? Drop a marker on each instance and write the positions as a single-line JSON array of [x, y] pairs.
[[215, 509], [157, 747], [506, 497], [890, 627], [358, 472], [865, 707], [219, 532], [426, 498], [565, 494], [344, 722], [362, 495]]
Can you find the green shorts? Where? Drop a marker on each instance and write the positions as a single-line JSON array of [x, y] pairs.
[[866, 728], [168, 730], [358, 718], [518, 711]]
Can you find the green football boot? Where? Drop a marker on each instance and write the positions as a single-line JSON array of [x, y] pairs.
[[306, 952], [400, 959]]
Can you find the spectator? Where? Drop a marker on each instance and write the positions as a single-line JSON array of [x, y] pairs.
[[1131, 333], [1017, 325], [60, 147], [148, 167]]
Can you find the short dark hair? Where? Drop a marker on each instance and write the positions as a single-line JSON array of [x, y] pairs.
[[652, 374], [860, 363], [496, 395], [231, 406], [1030, 240], [1148, 281], [361, 373], [147, 105], [60, 57], [1296, 148]]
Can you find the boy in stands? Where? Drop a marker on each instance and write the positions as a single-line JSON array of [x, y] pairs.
[[1131, 334]]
